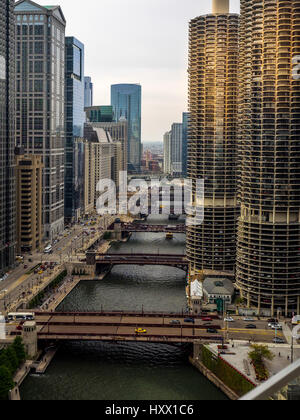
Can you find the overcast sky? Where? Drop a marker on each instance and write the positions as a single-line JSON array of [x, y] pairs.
[[138, 41]]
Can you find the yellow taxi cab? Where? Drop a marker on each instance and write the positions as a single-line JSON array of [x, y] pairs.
[[140, 331]]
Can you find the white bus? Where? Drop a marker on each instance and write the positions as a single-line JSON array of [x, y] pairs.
[[19, 316]]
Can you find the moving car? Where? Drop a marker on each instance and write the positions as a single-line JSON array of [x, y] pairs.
[[48, 249], [229, 319], [277, 327], [175, 322], [190, 320], [251, 327], [140, 331], [212, 331]]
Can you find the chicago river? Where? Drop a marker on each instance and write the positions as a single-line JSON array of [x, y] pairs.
[[126, 371]]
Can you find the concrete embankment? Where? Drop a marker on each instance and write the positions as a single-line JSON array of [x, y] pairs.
[[214, 379]]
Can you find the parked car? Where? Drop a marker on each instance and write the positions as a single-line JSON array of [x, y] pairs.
[[278, 341], [249, 320]]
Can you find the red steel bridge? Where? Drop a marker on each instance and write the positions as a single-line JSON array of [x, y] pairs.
[[135, 227], [154, 328], [178, 261]]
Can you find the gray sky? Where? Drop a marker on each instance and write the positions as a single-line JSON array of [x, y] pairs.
[[138, 41]]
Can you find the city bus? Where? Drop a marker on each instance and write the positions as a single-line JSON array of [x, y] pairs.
[[19, 316]]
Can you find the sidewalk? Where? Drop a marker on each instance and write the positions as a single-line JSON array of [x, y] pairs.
[[59, 296]]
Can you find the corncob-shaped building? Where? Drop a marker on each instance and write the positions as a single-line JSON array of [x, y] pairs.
[[213, 128], [268, 257]]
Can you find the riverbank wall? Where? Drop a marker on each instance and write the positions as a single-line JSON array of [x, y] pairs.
[[224, 376]]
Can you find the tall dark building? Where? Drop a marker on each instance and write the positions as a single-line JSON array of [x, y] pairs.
[[7, 135], [75, 119], [268, 257], [213, 131]]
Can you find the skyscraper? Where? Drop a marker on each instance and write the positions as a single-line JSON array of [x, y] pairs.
[[40, 100], [167, 153], [185, 122], [268, 262], [176, 149], [75, 119], [7, 134], [213, 80], [126, 100], [88, 92]]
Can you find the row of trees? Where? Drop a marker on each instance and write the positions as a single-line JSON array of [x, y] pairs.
[[37, 301], [11, 358]]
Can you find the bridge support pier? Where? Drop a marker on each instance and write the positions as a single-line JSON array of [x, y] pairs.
[[30, 338], [197, 350]]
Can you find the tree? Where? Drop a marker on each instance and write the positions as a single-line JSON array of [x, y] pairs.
[[19, 349], [4, 361], [260, 353], [13, 359], [6, 383]]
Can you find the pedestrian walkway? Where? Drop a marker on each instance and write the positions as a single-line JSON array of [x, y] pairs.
[[22, 373], [46, 360], [59, 296], [287, 333]]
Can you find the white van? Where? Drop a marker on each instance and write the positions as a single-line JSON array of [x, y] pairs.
[[48, 249]]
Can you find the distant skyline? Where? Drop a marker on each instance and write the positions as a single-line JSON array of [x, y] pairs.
[[138, 41]]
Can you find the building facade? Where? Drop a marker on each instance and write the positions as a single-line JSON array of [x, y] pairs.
[[268, 263], [167, 153], [75, 119], [213, 118], [29, 177], [126, 100], [88, 92], [176, 149], [7, 135], [98, 114], [99, 158], [184, 153], [119, 134], [40, 100]]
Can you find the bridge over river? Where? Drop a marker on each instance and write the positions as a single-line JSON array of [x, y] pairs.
[[159, 328], [140, 228], [178, 261]]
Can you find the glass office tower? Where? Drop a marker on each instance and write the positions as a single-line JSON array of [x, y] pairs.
[[7, 135], [126, 100], [88, 92], [75, 119], [213, 110], [268, 258], [40, 100]]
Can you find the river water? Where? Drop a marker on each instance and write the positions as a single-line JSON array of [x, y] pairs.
[[125, 371]]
